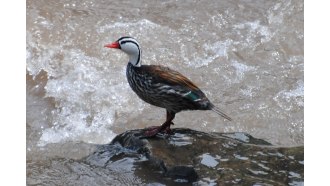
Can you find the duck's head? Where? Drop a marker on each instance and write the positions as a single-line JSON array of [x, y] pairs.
[[130, 46]]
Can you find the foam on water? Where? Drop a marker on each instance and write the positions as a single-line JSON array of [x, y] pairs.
[[141, 24], [289, 99], [210, 53], [254, 28], [241, 70], [86, 95]]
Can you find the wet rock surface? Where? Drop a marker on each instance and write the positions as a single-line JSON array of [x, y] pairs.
[[191, 157]]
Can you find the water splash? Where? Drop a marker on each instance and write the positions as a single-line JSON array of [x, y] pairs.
[[290, 99], [241, 70], [86, 95]]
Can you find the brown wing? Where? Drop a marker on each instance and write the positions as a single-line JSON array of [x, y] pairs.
[[193, 97], [168, 76]]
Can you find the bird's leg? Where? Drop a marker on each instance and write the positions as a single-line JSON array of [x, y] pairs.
[[167, 125], [152, 131]]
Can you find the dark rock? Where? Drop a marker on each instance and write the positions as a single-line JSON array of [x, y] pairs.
[[183, 173], [190, 156]]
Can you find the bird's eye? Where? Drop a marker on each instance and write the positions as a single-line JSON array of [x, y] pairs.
[[123, 42]]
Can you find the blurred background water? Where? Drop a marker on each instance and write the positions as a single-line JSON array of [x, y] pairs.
[[247, 56]]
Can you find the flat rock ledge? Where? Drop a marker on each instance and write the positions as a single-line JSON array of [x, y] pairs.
[[189, 157]]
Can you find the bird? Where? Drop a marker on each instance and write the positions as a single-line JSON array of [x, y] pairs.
[[161, 86]]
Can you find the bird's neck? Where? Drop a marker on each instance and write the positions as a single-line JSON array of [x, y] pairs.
[[135, 59]]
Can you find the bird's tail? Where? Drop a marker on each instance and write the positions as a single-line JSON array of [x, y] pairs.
[[220, 112]]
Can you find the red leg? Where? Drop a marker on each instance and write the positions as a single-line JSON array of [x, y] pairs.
[[152, 131]]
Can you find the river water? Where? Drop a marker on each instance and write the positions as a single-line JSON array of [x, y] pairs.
[[247, 56]]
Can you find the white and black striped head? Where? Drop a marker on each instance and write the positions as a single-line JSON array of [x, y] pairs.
[[130, 46]]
